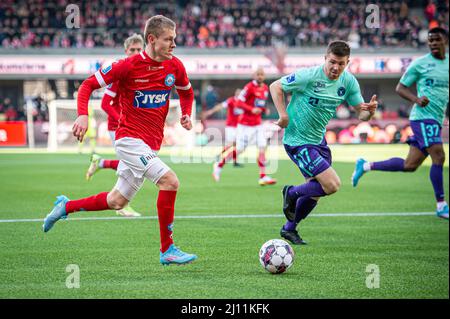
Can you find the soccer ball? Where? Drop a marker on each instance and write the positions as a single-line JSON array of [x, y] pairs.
[[276, 256]]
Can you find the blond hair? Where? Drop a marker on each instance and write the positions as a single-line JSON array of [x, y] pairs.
[[135, 38], [156, 25]]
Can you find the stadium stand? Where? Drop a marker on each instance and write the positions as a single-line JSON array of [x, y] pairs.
[[220, 23]]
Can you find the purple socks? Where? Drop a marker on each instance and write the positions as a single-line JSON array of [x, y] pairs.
[[305, 204], [303, 207], [394, 164], [309, 189], [437, 179]]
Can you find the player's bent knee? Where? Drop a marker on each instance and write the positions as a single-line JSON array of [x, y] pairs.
[[410, 167], [439, 158], [332, 187], [116, 201], [169, 182]]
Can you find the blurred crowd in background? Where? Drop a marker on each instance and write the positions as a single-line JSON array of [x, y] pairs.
[[41, 24], [221, 23]]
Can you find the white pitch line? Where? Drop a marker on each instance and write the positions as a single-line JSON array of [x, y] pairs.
[[227, 216]]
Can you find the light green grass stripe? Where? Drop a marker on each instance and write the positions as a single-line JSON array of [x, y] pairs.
[[226, 216]]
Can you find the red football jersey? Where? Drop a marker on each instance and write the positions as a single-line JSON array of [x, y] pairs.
[[110, 104], [233, 111], [145, 86], [254, 96]]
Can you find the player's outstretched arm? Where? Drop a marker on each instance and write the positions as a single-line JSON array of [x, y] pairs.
[[276, 91], [212, 111], [367, 110], [408, 95]]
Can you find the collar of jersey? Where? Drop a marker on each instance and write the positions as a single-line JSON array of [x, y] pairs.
[[149, 58]]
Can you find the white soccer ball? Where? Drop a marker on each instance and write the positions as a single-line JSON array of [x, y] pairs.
[[276, 256]]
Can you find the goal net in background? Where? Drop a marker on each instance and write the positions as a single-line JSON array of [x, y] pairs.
[[62, 114]]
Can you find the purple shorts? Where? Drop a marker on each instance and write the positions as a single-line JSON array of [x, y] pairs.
[[426, 133], [310, 159]]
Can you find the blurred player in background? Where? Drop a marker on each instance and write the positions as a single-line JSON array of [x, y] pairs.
[[110, 104], [316, 93], [233, 113], [146, 80], [91, 134], [252, 100], [430, 73]]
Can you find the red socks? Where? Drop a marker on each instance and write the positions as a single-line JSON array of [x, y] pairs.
[[165, 205], [110, 164], [166, 208], [227, 155], [262, 165], [93, 203]]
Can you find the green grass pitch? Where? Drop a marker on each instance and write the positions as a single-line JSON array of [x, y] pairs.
[[119, 258]]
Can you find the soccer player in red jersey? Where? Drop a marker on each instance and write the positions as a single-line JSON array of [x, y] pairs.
[[233, 113], [146, 80], [252, 100], [110, 104]]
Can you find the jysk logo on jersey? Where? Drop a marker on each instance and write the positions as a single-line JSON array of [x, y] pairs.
[[169, 80], [341, 91], [150, 99], [260, 103], [106, 70]]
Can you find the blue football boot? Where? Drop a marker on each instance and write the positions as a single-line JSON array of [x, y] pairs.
[[443, 213], [174, 255], [358, 172], [58, 212]]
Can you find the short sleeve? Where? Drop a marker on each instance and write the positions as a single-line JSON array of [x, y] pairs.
[[354, 96], [245, 93], [296, 81], [112, 73], [410, 76]]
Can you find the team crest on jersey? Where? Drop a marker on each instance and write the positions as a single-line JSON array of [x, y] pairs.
[[150, 99], [106, 70], [341, 91], [290, 78], [169, 80]]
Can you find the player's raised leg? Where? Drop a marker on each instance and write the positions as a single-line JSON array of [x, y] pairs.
[[241, 145], [102, 201], [437, 154], [263, 178], [97, 163], [414, 159], [314, 163], [261, 143]]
